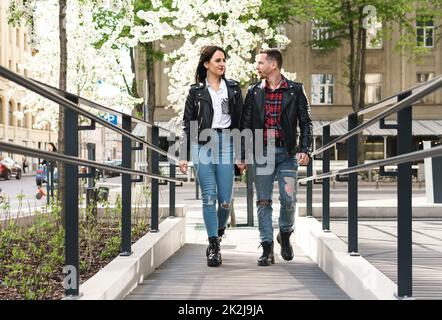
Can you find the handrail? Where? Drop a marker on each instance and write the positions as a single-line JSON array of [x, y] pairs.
[[382, 103], [98, 106], [39, 89], [432, 86], [77, 161], [403, 158]]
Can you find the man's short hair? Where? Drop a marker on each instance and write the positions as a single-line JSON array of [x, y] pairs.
[[273, 54]]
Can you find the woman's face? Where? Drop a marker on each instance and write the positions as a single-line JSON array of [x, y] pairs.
[[217, 64]]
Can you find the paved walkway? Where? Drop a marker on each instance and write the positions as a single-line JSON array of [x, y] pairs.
[[185, 276]]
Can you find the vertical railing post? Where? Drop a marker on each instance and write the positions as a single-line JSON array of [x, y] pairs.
[[126, 192], [70, 204], [352, 186], [326, 181], [250, 219], [154, 183], [310, 189], [404, 145], [48, 181], [91, 195], [172, 185]]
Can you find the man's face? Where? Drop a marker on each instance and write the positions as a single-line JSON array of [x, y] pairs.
[[264, 66]]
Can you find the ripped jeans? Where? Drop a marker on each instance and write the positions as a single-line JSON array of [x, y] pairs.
[[285, 168], [215, 173]]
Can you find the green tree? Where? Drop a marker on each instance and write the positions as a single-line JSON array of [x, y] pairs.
[[346, 23]]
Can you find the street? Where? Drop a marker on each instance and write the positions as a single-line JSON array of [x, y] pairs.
[[338, 192]]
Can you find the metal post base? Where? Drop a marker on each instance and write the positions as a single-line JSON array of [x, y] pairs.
[[154, 230], [354, 254], [326, 230], [404, 297], [125, 254], [72, 297]]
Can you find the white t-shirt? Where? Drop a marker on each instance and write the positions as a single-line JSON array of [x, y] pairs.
[[220, 102]]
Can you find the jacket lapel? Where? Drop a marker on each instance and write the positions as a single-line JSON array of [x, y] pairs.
[[287, 97], [260, 100]]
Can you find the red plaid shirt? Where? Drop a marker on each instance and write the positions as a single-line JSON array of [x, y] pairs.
[[273, 109]]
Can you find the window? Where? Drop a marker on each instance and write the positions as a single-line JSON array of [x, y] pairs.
[[374, 40], [17, 37], [423, 77], [19, 120], [322, 88], [25, 41], [319, 33], [424, 32], [11, 114], [1, 112], [374, 148], [373, 87]]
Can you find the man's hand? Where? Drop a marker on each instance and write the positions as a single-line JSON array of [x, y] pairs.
[[241, 166], [303, 159], [183, 166]]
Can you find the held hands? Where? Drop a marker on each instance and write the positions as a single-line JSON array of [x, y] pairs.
[[183, 166], [303, 159], [241, 166]]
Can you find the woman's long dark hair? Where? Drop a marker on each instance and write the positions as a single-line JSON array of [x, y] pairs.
[[206, 54]]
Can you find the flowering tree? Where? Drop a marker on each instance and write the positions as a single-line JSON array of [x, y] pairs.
[[238, 26], [233, 25], [94, 74]]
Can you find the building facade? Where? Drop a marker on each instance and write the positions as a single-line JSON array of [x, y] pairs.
[[14, 50], [389, 71]]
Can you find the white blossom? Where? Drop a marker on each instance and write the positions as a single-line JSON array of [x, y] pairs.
[[88, 68], [199, 23]]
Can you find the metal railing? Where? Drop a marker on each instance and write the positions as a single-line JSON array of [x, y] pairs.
[[71, 163], [402, 105]]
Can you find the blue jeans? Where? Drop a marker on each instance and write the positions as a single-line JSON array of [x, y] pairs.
[[285, 168], [215, 173]]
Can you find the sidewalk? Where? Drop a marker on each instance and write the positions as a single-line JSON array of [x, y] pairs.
[[186, 276]]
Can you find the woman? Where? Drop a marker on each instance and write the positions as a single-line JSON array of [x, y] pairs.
[[213, 103]]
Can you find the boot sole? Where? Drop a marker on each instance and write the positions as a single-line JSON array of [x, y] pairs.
[[211, 263], [278, 238], [214, 264], [266, 263]]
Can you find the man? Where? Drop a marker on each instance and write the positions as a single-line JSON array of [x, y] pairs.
[[275, 106]]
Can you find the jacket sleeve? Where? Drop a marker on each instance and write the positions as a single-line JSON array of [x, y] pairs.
[[188, 116], [246, 119], [305, 123]]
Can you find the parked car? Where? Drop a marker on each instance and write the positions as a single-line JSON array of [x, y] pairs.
[[9, 167], [117, 162]]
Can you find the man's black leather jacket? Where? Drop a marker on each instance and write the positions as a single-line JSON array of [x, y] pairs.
[[295, 109]]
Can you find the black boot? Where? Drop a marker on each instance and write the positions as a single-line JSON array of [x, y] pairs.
[[220, 235], [286, 247], [214, 256], [267, 255]]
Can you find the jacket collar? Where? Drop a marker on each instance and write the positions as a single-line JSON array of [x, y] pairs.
[[203, 92]]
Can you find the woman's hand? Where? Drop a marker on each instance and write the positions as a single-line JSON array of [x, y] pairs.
[[183, 166]]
